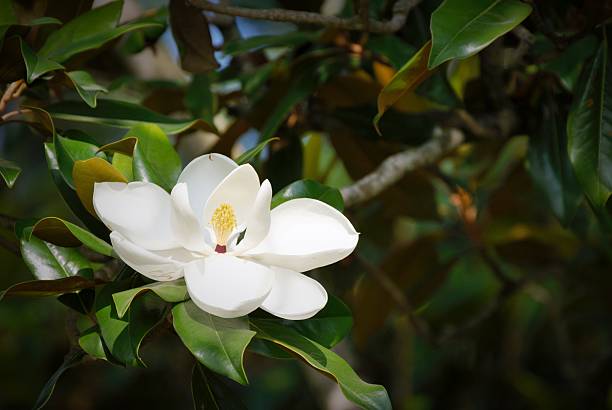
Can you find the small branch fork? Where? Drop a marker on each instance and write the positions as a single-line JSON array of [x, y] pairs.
[[395, 167], [13, 91], [400, 12]]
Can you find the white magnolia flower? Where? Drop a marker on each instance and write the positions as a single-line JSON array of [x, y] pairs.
[[194, 232]]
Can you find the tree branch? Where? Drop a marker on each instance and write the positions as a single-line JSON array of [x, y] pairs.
[[400, 12], [393, 168]]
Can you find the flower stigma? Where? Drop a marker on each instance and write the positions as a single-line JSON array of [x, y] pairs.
[[223, 223]]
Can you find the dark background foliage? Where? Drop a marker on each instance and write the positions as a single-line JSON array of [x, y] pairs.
[[482, 279]]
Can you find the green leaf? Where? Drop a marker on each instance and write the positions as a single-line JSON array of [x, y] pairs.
[[217, 343], [72, 359], [48, 261], [154, 157], [8, 18], [199, 99], [123, 336], [551, 168], [460, 28], [394, 49], [9, 171], [86, 86], [209, 392], [293, 39], [48, 287], [307, 188], [91, 342], [36, 64], [119, 115], [172, 291], [86, 173], [68, 152], [413, 73], [589, 128], [124, 164], [365, 395], [88, 31], [64, 233], [329, 326], [253, 152], [70, 196]]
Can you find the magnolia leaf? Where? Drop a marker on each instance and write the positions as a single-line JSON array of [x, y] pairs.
[[67, 234], [86, 86], [86, 173], [365, 395], [48, 261], [190, 29], [88, 31], [72, 359], [307, 188], [407, 79], [254, 152], [9, 171], [209, 392], [217, 343], [48, 287], [589, 128], [154, 158], [460, 29], [69, 151], [172, 291]]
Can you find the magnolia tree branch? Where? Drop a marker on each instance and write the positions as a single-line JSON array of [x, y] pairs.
[[395, 167], [400, 12]]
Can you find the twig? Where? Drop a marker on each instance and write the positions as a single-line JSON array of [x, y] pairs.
[[13, 91], [400, 12], [393, 168]]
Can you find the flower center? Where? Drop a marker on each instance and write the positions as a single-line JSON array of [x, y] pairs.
[[223, 223]]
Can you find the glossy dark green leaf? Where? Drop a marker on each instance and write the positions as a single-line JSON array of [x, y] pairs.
[[136, 41], [119, 115], [123, 336], [86, 86], [589, 128], [365, 395], [209, 392], [81, 301], [154, 157], [48, 261], [329, 326], [63, 233], [69, 151], [199, 99], [70, 196], [48, 287], [217, 343], [407, 79], [294, 39], [173, 291], [550, 166], [37, 65], [9, 171], [192, 35], [393, 48], [72, 359], [90, 341], [254, 152], [307, 188], [460, 29], [88, 31]]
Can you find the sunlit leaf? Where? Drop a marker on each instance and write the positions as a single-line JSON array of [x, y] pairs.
[[173, 291], [9, 171], [67, 234]]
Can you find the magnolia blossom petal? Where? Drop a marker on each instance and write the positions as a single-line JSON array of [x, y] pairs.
[[140, 211], [305, 234], [239, 189], [156, 265], [202, 175], [258, 223], [294, 296], [186, 225], [227, 286]]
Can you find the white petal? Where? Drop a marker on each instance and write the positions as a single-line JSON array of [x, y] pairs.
[[258, 223], [305, 234], [239, 189], [227, 286], [186, 226], [140, 211], [157, 265], [294, 296], [202, 175]]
